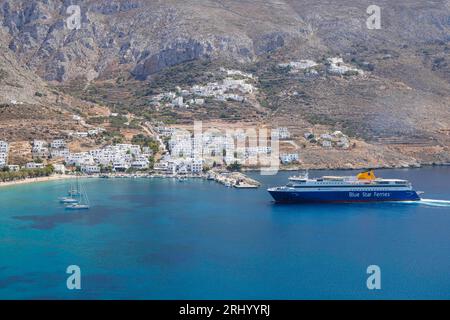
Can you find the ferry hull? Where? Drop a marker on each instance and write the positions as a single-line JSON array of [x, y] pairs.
[[342, 196]]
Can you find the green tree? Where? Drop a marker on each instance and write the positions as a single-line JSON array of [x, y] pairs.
[[235, 166]]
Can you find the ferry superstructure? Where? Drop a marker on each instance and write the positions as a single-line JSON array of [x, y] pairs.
[[364, 187]]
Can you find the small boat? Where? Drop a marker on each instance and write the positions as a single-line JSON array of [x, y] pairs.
[[182, 179], [77, 206], [74, 189], [67, 200], [73, 192], [303, 176], [82, 201]]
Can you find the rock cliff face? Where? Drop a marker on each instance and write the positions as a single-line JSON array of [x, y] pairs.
[[143, 37], [18, 84]]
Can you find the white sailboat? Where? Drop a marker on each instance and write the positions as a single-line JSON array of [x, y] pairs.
[[82, 201], [73, 191], [74, 188], [67, 200]]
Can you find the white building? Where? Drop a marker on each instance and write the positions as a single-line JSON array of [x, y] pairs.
[[140, 163], [59, 168], [90, 169], [81, 134], [34, 165], [162, 166], [4, 147], [59, 153], [58, 143], [343, 143], [237, 73], [178, 102], [120, 166], [296, 66], [326, 136], [39, 144], [337, 66], [92, 132], [13, 168], [282, 133], [289, 157], [196, 166], [4, 151], [3, 160], [80, 159], [40, 152], [199, 101]]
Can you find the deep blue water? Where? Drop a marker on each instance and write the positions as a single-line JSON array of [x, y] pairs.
[[163, 239]]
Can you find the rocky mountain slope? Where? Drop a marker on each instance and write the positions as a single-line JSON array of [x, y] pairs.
[[29, 108], [145, 36]]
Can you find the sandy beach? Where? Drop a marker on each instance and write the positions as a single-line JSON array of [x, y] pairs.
[[35, 180]]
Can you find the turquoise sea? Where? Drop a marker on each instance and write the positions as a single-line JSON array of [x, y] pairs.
[[165, 239]]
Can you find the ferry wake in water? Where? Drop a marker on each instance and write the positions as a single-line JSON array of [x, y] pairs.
[[433, 202]]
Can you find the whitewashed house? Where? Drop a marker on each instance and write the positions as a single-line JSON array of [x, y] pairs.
[[59, 153], [80, 159], [120, 166], [90, 169], [4, 151], [196, 166], [42, 153], [39, 144], [34, 165], [58, 143], [4, 147], [287, 158], [13, 167], [140, 162], [283, 133], [59, 168]]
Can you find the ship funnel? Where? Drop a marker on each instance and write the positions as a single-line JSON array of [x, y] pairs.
[[366, 175]]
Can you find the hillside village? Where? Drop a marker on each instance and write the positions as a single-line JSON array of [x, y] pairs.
[[334, 66], [174, 151], [107, 150], [234, 87]]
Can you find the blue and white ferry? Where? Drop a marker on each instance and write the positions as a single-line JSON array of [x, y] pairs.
[[364, 187]]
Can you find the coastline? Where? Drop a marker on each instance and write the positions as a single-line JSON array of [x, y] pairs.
[[57, 177], [36, 180]]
